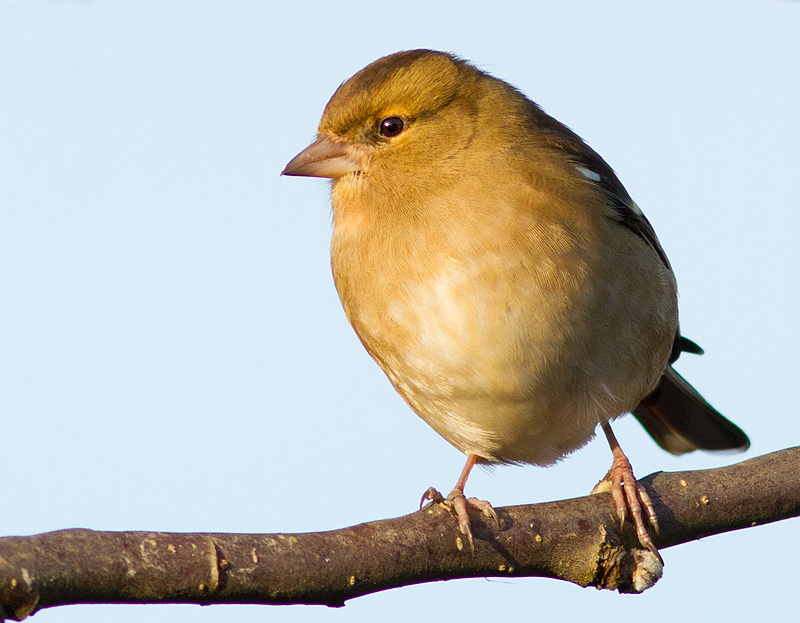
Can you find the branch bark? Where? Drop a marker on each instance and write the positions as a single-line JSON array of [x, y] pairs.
[[577, 540]]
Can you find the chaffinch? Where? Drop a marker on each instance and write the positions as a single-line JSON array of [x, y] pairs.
[[499, 273]]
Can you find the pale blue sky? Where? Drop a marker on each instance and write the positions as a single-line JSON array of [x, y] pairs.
[[172, 352]]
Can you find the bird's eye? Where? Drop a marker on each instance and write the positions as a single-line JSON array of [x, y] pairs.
[[391, 126]]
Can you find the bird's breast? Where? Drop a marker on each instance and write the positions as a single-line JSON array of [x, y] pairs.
[[443, 321], [490, 339]]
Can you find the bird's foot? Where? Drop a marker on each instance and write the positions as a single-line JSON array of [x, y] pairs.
[[630, 497], [459, 506]]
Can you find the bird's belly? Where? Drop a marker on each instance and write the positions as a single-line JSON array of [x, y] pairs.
[[503, 368]]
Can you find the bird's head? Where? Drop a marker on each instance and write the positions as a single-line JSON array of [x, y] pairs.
[[400, 115]]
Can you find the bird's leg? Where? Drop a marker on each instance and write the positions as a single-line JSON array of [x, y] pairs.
[[628, 494], [459, 503]]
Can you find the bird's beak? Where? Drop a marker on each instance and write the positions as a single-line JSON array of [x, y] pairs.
[[324, 158]]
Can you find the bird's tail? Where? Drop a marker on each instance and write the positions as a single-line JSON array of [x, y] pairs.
[[680, 420]]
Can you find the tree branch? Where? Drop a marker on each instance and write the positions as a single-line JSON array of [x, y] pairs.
[[577, 540]]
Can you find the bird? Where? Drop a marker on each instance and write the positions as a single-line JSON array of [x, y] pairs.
[[496, 269]]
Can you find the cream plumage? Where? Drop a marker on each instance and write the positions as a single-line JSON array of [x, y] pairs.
[[499, 273]]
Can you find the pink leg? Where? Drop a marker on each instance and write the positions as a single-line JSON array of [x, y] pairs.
[[628, 494], [460, 504]]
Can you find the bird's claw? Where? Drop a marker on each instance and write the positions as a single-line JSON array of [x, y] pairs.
[[631, 497], [431, 495], [486, 509], [459, 506]]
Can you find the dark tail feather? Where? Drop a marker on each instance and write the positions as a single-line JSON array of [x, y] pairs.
[[681, 421]]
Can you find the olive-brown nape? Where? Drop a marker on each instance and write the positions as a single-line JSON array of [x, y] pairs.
[[406, 83]]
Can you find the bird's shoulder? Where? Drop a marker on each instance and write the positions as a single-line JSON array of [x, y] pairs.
[[584, 164]]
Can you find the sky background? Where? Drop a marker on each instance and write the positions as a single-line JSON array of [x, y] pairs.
[[173, 355]]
